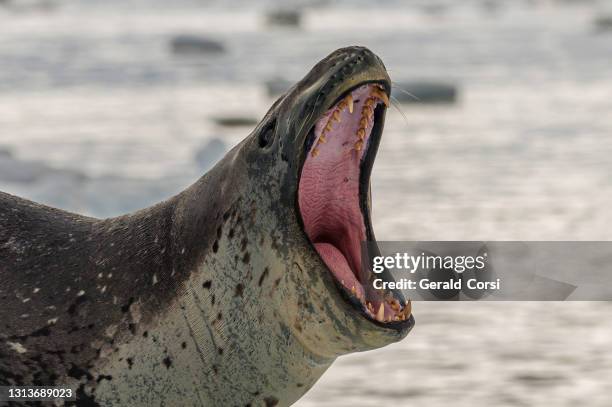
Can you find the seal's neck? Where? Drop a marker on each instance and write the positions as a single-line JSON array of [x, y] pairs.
[[222, 333]]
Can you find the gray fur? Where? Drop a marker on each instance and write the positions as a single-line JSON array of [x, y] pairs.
[[214, 297]]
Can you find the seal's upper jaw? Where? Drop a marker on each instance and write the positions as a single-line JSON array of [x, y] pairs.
[[333, 197]]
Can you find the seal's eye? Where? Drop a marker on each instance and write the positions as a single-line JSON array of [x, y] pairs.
[[266, 136]]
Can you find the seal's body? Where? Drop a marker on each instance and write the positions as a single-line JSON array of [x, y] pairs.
[[215, 297]]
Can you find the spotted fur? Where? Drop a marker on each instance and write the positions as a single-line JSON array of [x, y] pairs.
[[214, 297]]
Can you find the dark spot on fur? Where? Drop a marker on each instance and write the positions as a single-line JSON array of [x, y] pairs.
[[104, 377], [85, 400], [219, 316], [300, 385], [231, 233], [130, 362], [78, 372], [184, 345], [145, 334], [226, 215], [243, 243], [246, 258], [220, 350], [215, 369], [76, 349], [215, 246], [212, 299], [263, 276], [132, 328], [297, 326], [167, 362], [239, 290], [79, 300], [271, 401], [13, 377], [219, 232], [41, 332], [125, 308], [207, 284]]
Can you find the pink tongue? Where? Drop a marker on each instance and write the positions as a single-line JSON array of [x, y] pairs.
[[337, 263]]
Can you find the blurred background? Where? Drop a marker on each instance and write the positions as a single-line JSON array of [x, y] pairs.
[[501, 130]]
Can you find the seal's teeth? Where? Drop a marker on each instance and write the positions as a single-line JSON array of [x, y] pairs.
[[363, 122], [385, 98], [328, 127], [322, 139], [349, 101], [358, 145], [342, 105], [380, 315], [315, 152], [407, 309], [370, 101], [382, 95], [336, 116], [361, 133]]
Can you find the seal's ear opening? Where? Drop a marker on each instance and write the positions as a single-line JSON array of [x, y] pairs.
[[266, 135]]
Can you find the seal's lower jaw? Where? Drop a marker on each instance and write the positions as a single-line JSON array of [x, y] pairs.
[[332, 196]]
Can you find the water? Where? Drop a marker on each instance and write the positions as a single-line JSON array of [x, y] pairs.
[[100, 118]]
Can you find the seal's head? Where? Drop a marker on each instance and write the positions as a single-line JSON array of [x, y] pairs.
[[325, 132], [240, 290]]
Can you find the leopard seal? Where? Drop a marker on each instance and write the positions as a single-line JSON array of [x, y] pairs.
[[240, 290]]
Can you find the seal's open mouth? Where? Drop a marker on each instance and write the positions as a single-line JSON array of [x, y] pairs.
[[333, 195]]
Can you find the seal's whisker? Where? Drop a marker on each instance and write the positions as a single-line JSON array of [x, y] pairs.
[[395, 85], [314, 105], [396, 104]]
